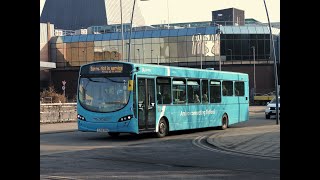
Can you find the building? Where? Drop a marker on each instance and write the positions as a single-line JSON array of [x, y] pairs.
[[193, 44], [273, 24], [183, 25], [251, 21], [186, 47], [229, 17], [108, 28], [79, 14], [46, 32]]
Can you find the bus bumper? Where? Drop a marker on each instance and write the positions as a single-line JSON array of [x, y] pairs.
[[122, 127]]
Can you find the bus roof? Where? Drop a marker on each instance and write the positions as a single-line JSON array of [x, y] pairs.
[[185, 68], [162, 70]]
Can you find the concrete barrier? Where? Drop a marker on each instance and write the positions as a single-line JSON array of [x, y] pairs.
[[58, 112]]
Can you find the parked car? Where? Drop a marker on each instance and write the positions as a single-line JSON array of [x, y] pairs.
[[271, 108]]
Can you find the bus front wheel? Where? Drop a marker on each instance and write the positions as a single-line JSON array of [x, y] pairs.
[[163, 128], [224, 122]]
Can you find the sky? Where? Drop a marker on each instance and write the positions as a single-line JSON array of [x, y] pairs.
[[156, 11]]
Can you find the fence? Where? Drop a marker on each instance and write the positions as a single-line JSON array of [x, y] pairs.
[[58, 112]]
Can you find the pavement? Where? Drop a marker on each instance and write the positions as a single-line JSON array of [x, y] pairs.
[[253, 140], [256, 109], [263, 141], [58, 127]]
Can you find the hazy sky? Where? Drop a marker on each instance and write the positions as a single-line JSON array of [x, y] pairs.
[[156, 11]]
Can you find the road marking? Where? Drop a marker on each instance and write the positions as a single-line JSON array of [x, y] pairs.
[[197, 142], [56, 177]]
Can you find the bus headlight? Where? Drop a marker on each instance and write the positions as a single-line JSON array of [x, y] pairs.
[[81, 117], [125, 118]]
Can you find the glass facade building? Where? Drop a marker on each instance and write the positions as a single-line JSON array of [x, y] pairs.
[[186, 47]]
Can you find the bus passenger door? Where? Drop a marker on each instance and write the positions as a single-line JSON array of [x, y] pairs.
[[146, 104]]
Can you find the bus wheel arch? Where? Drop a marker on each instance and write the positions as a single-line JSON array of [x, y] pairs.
[[224, 121], [163, 127]]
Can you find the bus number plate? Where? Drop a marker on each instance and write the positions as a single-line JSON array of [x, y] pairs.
[[102, 130]]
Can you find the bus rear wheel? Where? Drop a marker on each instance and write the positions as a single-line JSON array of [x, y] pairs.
[[163, 128], [224, 122], [113, 134]]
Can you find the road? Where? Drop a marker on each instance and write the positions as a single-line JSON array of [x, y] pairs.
[[181, 155]]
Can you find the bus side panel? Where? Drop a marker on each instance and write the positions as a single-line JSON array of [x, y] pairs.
[[244, 103], [231, 107], [182, 117], [207, 115], [244, 108]]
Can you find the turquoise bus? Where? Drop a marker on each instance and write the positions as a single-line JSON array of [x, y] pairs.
[[120, 97]]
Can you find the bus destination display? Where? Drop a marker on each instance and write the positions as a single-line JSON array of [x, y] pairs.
[[106, 68]]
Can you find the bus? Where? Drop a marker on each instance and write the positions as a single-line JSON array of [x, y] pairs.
[[121, 97]]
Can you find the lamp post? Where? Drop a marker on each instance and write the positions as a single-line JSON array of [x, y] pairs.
[[218, 32], [274, 65], [122, 37], [279, 49], [130, 35], [138, 54], [129, 49], [230, 53], [254, 70], [151, 55], [168, 12]]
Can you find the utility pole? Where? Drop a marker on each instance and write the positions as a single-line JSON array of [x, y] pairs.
[[122, 37], [254, 70], [274, 65]]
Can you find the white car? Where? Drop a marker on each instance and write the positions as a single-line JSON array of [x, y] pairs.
[[271, 108]]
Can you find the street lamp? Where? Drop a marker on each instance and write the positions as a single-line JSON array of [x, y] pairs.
[[151, 55], [168, 12], [254, 70], [218, 32], [138, 54], [129, 49], [122, 37], [230, 53], [274, 65]]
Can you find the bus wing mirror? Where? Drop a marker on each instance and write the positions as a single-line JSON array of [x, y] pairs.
[[135, 70]]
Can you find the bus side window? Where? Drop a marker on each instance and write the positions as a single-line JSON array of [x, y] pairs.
[[227, 88], [204, 86], [179, 91], [236, 92], [166, 99], [140, 104], [196, 98], [163, 89], [193, 89], [239, 88], [159, 98], [215, 91], [224, 90]]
